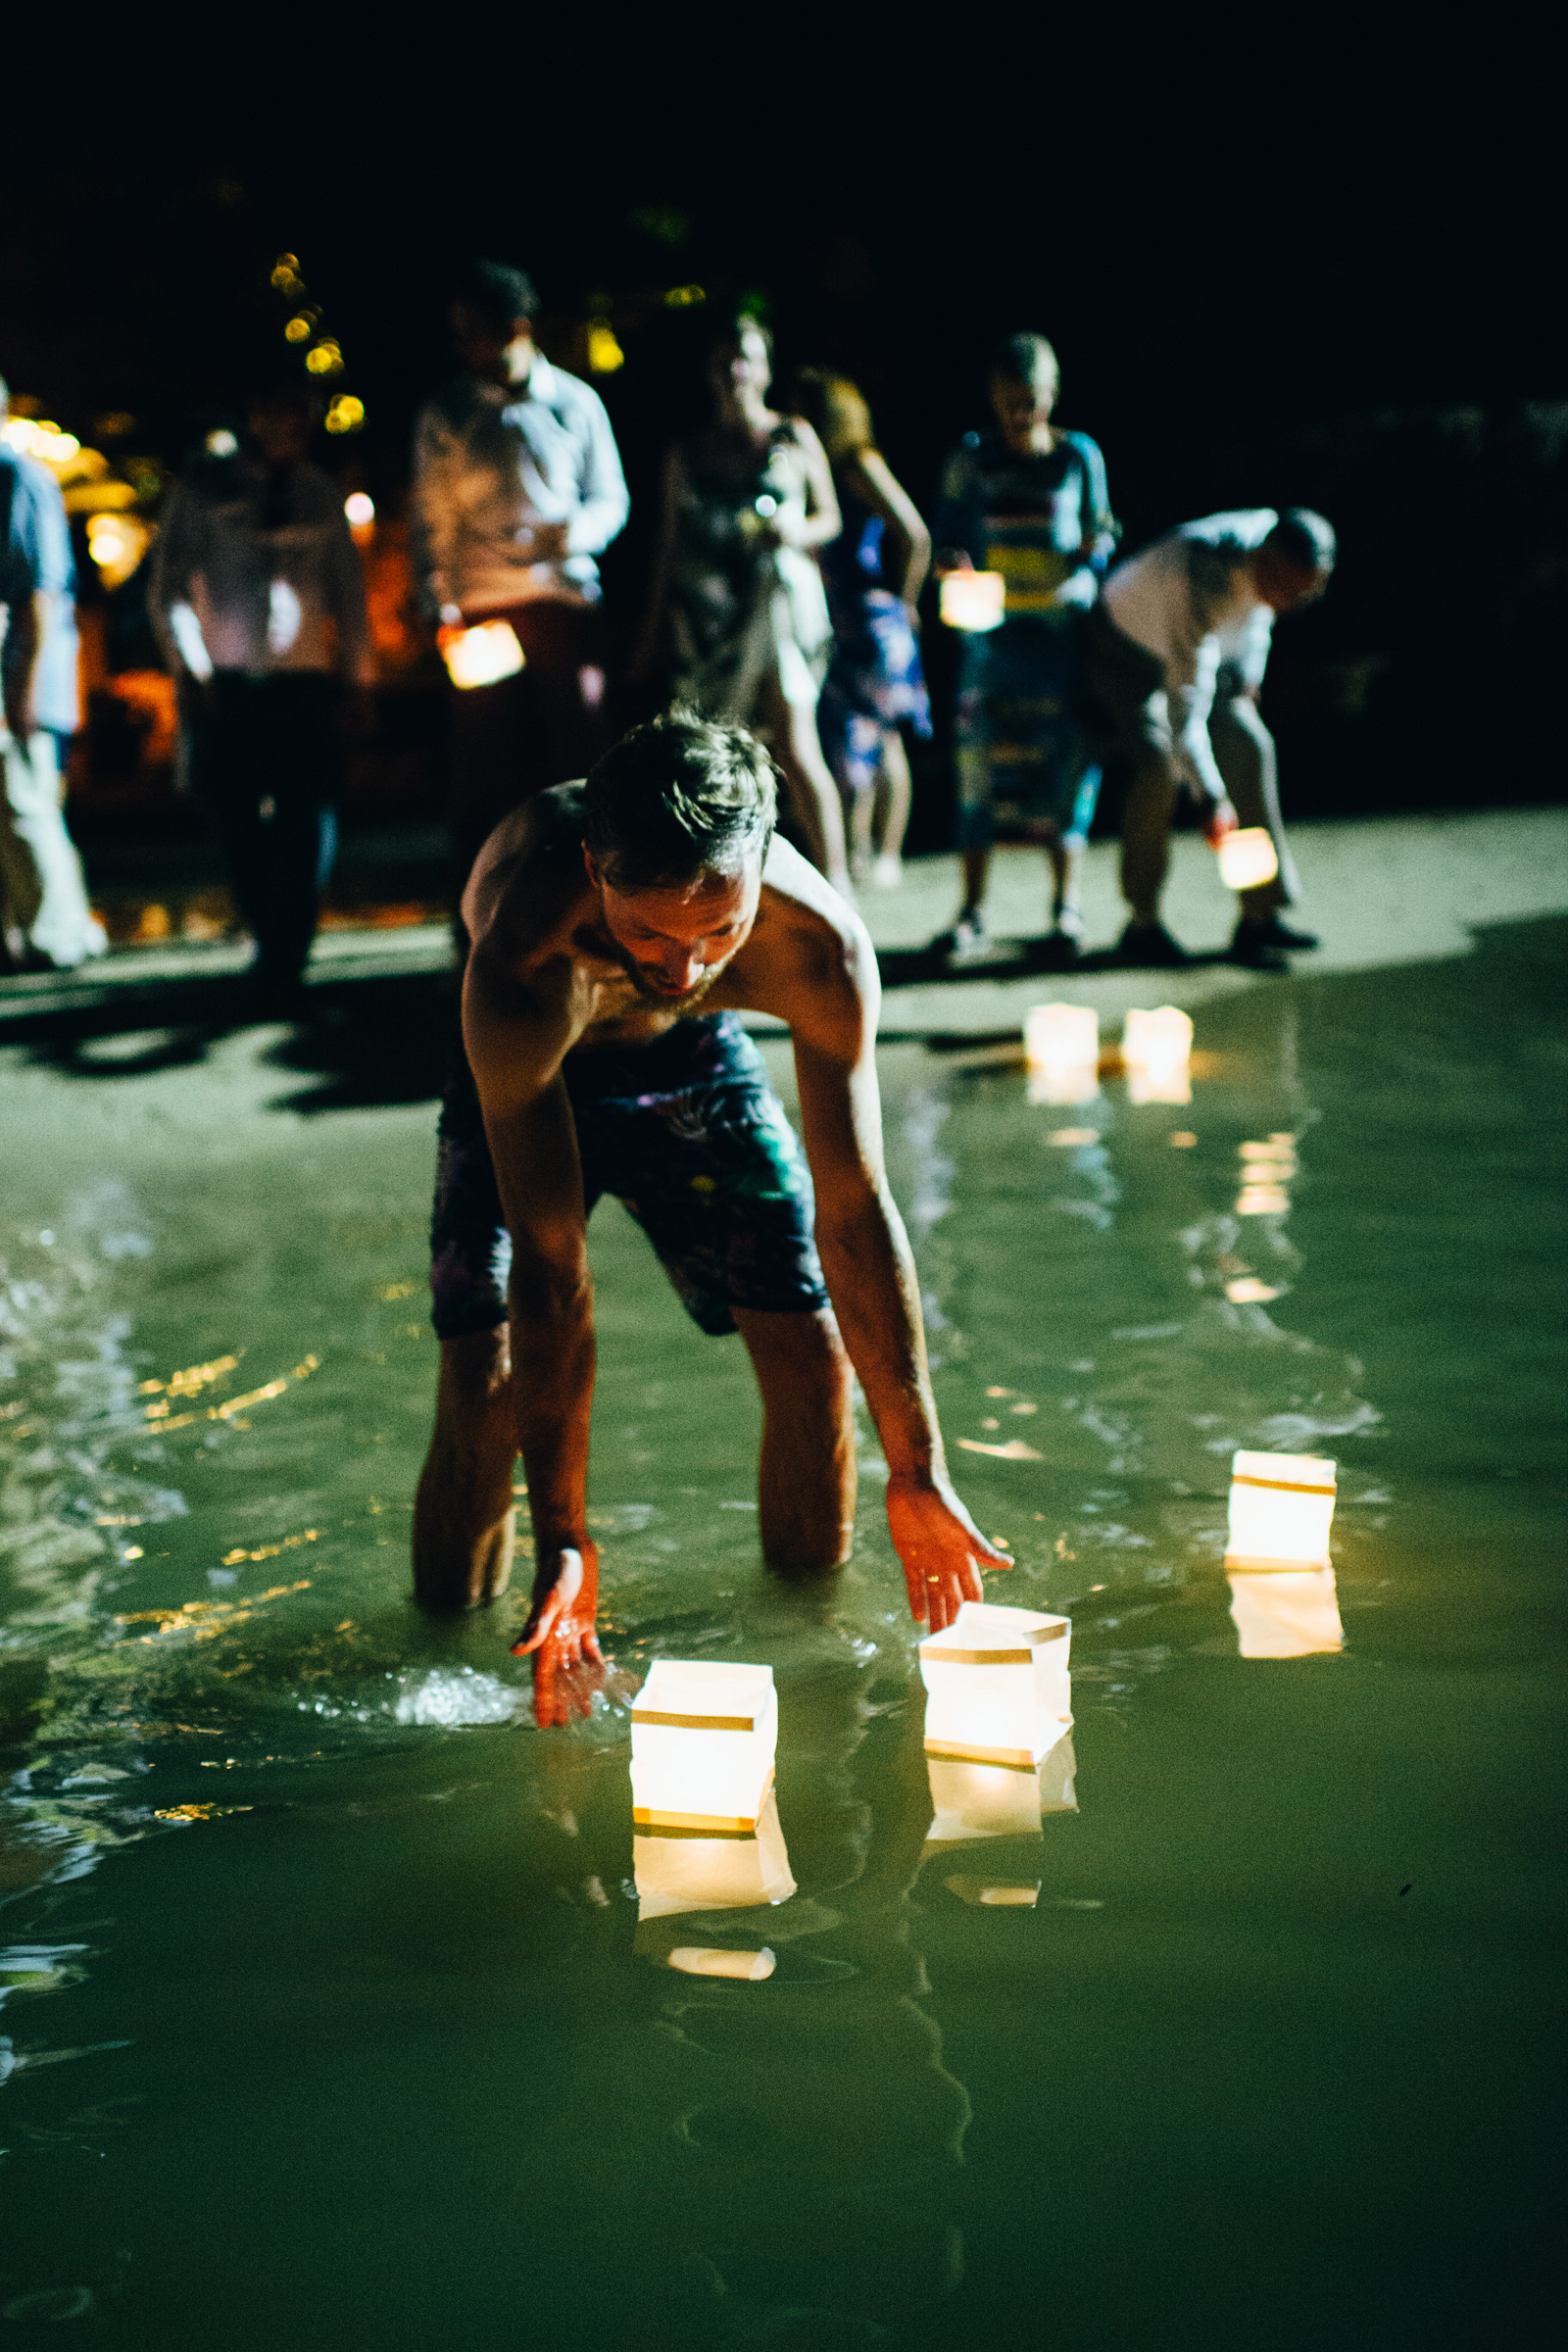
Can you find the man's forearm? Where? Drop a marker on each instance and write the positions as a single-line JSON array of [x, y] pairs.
[[871, 1281], [552, 1337]]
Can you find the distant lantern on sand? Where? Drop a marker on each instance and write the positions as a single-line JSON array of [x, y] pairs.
[[1157, 1052], [1061, 1045], [1248, 858], [706, 1826], [972, 601], [481, 656]]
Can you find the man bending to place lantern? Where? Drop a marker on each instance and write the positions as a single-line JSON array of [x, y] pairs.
[[1181, 628], [617, 925]]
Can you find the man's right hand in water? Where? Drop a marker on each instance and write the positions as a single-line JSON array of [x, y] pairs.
[[560, 1636]]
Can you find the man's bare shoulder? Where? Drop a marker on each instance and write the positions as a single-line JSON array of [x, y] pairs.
[[528, 882], [810, 960]]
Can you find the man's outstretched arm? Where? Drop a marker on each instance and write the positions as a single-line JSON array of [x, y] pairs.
[[871, 1280], [514, 1046]]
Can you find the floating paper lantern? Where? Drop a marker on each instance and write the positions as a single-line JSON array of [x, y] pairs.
[[1282, 1506], [481, 656], [1248, 858], [1156, 1050], [973, 600], [1290, 1613], [689, 1870], [703, 1736], [998, 1684], [1061, 1045]]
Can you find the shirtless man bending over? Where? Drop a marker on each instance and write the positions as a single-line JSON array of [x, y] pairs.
[[617, 925]]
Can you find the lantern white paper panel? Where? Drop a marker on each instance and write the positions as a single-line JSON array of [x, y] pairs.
[[1155, 1049], [1248, 858], [483, 654], [1287, 1613], [703, 1741], [1281, 1510], [998, 1684]]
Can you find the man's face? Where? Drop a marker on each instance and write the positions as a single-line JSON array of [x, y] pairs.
[[1287, 586], [676, 939], [1023, 410], [496, 354]]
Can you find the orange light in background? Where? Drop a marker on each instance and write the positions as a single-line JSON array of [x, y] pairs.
[[324, 358], [298, 330], [481, 656], [604, 354], [972, 601], [346, 414], [117, 544]]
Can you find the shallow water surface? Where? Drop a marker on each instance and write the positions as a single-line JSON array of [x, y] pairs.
[[330, 2017]]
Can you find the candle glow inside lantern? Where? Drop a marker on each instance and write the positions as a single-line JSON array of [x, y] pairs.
[[972, 601], [481, 656], [999, 1690], [1061, 1045], [1156, 1050], [1248, 857], [703, 1738], [1287, 1613], [1281, 1510]]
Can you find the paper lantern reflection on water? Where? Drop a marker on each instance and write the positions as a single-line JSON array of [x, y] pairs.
[[481, 656], [1248, 858], [1155, 1049], [1289, 1613], [1281, 1510], [998, 1685], [689, 1870], [971, 1801], [972, 601], [1061, 1045]]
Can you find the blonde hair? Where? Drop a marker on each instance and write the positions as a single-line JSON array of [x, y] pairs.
[[834, 408]]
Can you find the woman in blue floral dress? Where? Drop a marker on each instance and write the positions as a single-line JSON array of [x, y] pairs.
[[874, 683]]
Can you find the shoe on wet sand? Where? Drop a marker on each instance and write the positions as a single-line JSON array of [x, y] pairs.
[[1058, 952], [1280, 935], [1255, 946], [965, 940], [1150, 947]]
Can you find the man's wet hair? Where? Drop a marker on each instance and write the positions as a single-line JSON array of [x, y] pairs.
[[680, 797], [1024, 360], [499, 293], [1305, 538]]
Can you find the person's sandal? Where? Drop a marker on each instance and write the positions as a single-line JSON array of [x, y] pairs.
[[966, 939]]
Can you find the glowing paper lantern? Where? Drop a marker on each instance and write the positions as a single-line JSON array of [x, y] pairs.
[[973, 601], [1248, 857], [703, 1736], [1061, 1045], [1291, 1613], [1281, 1507], [481, 656], [998, 1685], [1155, 1049]]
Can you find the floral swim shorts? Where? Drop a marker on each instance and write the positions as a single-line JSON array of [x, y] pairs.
[[688, 1135]]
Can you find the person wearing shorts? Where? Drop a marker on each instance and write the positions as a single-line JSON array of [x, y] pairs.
[[1029, 501], [618, 928]]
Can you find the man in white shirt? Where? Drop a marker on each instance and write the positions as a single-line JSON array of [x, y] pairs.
[[518, 487], [1206, 591], [258, 601]]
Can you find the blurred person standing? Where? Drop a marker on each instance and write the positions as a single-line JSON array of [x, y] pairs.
[[45, 923], [258, 601], [1182, 626], [737, 597], [874, 681], [518, 487], [1029, 501]]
